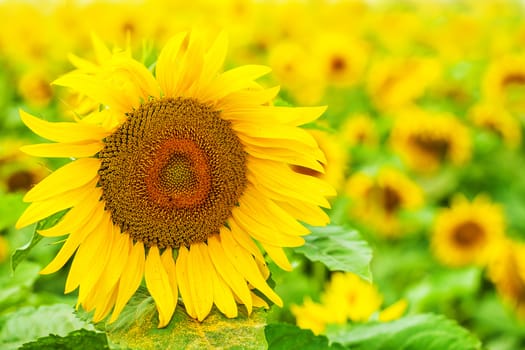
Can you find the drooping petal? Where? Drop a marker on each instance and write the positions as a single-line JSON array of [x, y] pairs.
[[228, 272], [181, 268], [157, 281], [245, 264], [169, 266], [278, 256], [199, 277], [74, 240], [130, 279]]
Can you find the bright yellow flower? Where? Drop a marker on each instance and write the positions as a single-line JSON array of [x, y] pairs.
[[359, 129], [507, 271], [378, 200], [468, 232], [504, 83], [174, 179], [349, 297], [395, 83], [311, 315], [425, 140], [499, 121], [35, 88]]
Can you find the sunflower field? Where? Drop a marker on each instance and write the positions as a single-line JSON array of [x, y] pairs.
[[248, 174]]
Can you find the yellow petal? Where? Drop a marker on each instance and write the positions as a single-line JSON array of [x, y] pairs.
[[169, 266], [305, 212], [214, 59], [130, 280], [97, 89], [223, 297], [244, 240], [90, 259], [181, 268], [167, 64], [228, 272], [63, 150], [245, 264], [199, 277], [293, 116], [104, 308], [278, 256], [157, 281], [274, 131], [263, 232], [73, 241], [234, 80], [66, 178], [77, 217], [285, 156], [139, 78], [241, 100], [63, 132], [42, 209]]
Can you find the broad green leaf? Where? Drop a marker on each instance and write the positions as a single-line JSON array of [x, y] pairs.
[[285, 336], [136, 328], [21, 253], [424, 331], [339, 248], [16, 286], [29, 323], [79, 339]]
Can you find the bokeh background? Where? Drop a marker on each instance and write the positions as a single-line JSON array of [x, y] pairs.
[[423, 136]]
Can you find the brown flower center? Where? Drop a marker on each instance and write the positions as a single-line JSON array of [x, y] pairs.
[[437, 147], [172, 173], [468, 234]]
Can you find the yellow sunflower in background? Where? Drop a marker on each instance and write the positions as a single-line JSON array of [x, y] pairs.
[[507, 271], [359, 129], [426, 140], [497, 120], [504, 83], [393, 83], [377, 200], [173, 180], [468, 232]]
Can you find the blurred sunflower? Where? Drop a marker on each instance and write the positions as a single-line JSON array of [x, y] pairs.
[[507, 271], [497, 120], [425, 140], [173, 179], [504, 83], [394, 83], [34, 87], [311, 315], [468, 232], [359, 129], [378, 200]]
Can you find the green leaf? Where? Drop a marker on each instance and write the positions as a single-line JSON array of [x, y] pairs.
[[136, 328], [339, 248], [286, 336], [29, 323], [18, 285], [79, 339], [424, 331], [11, 206], [21, 253]]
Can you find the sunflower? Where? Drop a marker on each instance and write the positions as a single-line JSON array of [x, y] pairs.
[[360, 129], [173, 179], [497, 120], [468, 232], [504, 83], [507, 271], [425, 140], [379, 199], [393, 83]]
